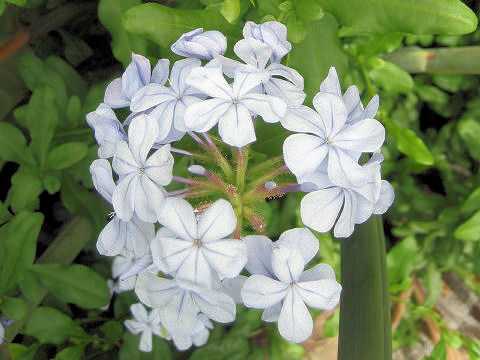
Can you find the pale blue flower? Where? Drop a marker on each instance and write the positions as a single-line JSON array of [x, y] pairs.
[[181, 301], [167, 105], [147, 324], [108, 130], [198, 250], [281, 81], [271, 33], [231, 106], [325, 137], [289, 289], [351, 98], [140, 186], [133, 235], [329, 204], [198, 337], [200, 44]]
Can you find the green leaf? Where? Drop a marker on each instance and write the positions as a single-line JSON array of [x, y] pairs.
[[409, 143], [235, 347], [20, 243], [230, 10], [448, 17], [319, 50], [14, 308], [389, 76], [402, 259], [110, 14], [75, 84], [71, 353], [65, 155], [51, 183], [113, 330], [164, 25], [36, 73], [297, 29], [22, 352], [434, 284], [13, 145], [25, 189], [76, 49], [75, 284], [470, 229], [468, 129], [50, 326], [42, 119], [4, 213], [309, 10], [472, 203], [74, 110], [129, 349], [30, 287]]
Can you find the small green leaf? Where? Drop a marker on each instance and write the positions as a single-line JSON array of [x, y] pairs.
[[230, 10], [13, 145], [25, 189], [65, 155], [50, 326], [75, 84], [4, 213], [227, 348], [71, 353], [297, 30], [30, 287], [51, 183], [309, 10], [22, 352], [113, 330], [470, 229], [472, 203], [389, 76], [434, 284], [74, 110], [42, 119], [74, 284], [14, 308], [20, 243], [468, 129], [402, 260], [409, 143]]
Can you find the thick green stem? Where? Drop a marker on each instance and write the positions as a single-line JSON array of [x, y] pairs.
[[365, 321]]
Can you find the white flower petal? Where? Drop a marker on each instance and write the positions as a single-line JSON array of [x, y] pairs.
[[286, 91], [114, 96], [304, 120], [199, 44], [211, 82], [134, 326], [233, 287], [261, 292], [345, 171], [123, 198], [204, 115], [149, 96], [259, 251], [177, 215], [331, 84], [180, 313], [386, 198], [154, 291], [236, 126], [142, 133], [217, 222], [102, 179], [364, 136], [160, 72], [139, 312], [346, 221], [216, 305], [295, 322], [272, 33], [253, 52], [303, 153], [353, 103], [136, 75], [318, 272], [364, 210], [371, 108], [270, 108], [229, 66], [287, 264], [159, 166], [272, 313], [321, 294], [180, 72], [111, 239], [300, 239], [149, 198], [332, 111], [123, 161], [145, 343], [319, 209], [227, 257], [246, 81]]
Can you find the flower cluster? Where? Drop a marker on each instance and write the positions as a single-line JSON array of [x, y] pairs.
[[189, 264]]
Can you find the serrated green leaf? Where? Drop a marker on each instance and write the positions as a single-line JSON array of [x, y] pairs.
[[25, 189], [65, 155], [13, 145], [20, 244], [42, 119], [110, 14], [75, 284], [470, 229], [50, 326], [164, 25], [449, 17]]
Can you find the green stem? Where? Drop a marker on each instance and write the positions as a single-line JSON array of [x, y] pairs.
[[365, 323], [242, 163]]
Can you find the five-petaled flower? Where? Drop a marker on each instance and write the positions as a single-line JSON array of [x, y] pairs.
[[146, 324]]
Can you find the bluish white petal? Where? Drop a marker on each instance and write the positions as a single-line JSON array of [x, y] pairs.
[[270, 108], [272, 33], [145, 343], [149, 198], [272, 313], [371, 108], [155, 291], [331, 84], [236, 126], [287, 264], [321, 294], [364, 210], [102, 179], [261, 292], [211, 82], [300, 239], [217, 222], [111, 239], [139, 313], [180, 313], [204, 115], [386, 198], [295, 323], [233, 287], [114, 96], [345, 171], [123, 198], [304, 120], [216, 305], [285, 90], [142, 133], [199, 44], [364, 136], [318, 272], [303, 153], [123, 161], [354, 105], [136, 75], [177, 215], [151, 95], [227, 257], [160, 72], [159, 166], [332, 111], [134, 326], [180, 72], [320, 209], [259, 251], [245, 82], [253, 52], [346, 221]]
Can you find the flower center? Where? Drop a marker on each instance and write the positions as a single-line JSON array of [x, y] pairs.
[[141, 170], [197, 243], [235, 101]]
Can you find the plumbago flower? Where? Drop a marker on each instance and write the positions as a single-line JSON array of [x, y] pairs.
[[191, 266]]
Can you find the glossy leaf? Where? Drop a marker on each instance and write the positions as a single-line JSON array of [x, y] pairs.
[[65, 155], [230, 10], [470, 229], [74, 284], [389, 76]]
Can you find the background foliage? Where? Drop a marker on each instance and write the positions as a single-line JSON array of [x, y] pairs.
[[56, 57]]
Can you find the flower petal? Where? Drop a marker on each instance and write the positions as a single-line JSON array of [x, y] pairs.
[[236, 126], [371, 108], [227, 257], [245, 82], [142, 133], [300, 239], [286, 91], [180, 71], [210, 81], [331, 84], [123, 161], [332, 111], [139, 313], [102, 179], [149, 198], [346, 221], [287, 264], [150, 96], [259, 251], [295, 322], [180, 313], [145, 343], [318, 272], [321, 294], [134, 326], [233, 287], [111, 239], [354, 105], [320, 209], [253, 52], [136, 75], [261, 292], [303, 153], [160, 72], [364, 136], [155, 291], [216, 305], [272, 313], [270, 108], [204, 115], [386, 198], [123, 198], [114, 96], [177, 215], [217, 222], [159, 166]]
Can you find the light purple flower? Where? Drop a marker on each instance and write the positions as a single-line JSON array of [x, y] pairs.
[[271, 33], [200, 44]]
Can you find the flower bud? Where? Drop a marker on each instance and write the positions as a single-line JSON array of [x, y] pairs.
[[201, 45], [271, 33]]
